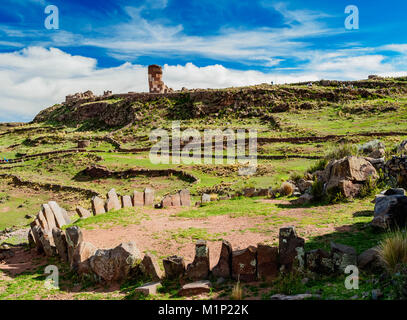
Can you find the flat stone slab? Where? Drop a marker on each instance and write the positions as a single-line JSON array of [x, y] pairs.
[[149, 288], [195, 288], [295, 297]]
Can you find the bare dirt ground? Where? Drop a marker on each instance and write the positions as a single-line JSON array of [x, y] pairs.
[[161, 233]]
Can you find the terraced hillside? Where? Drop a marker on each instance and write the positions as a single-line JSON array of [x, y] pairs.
[[299, 127]]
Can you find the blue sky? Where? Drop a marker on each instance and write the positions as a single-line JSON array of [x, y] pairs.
[[207, 43]]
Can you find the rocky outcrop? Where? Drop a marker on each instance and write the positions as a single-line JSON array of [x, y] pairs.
[[347, 175], [115, 264], [390, 210]]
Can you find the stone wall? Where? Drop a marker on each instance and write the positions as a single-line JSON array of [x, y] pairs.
[[254, 263]]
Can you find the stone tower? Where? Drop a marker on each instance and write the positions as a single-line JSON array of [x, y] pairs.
[[155, 82]]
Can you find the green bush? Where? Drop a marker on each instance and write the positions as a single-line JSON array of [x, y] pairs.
[[317, 190], [318, 166]]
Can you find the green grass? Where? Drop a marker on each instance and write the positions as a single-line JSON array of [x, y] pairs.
[[122, 217]]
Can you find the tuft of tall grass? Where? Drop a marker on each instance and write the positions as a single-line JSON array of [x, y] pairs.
[[237, 292], [287, 189], [392, 250]]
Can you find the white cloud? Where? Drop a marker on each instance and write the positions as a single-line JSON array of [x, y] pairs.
[[35, 78]]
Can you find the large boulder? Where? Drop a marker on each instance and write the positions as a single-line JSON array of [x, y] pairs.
[[349, 174], [244, 264], [291, 250], [372, 148], [115, 264], [319, 261], [370, 260], [223, 268], [199, 268], [390, 212]]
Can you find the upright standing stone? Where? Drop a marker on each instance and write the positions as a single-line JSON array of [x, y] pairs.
[[267, 262], [73, 238], [138, 198], [36, 230], [60, 243], [199, 268], [59, 217], [149, 267], [47, 243], [244, 264], [223, 268], [176, 200], [115, 264], [112, 202], [49, 215], [166, 202], [82, 212], [291, 250], [66, 217], [174, 267], [149, 197], [185, 198], [98, 205], [126, 202], [42, 220]]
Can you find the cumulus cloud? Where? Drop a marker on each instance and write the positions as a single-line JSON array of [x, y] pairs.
[[35, 77]]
